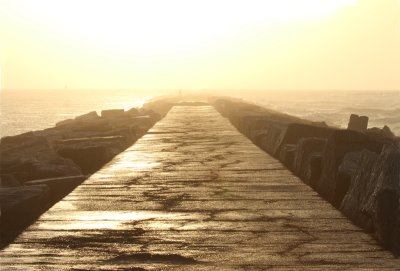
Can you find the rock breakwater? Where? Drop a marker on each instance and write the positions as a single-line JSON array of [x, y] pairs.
[[357, 170], [39, 168]]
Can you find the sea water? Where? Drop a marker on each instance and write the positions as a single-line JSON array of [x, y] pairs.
[[335, 107], [23, 111]]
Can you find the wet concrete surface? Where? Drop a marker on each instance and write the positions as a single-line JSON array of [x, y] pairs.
[[194, 194]]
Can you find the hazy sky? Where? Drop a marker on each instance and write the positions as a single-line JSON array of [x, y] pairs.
[[183, 44]]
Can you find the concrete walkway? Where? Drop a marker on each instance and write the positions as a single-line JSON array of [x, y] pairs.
[[194, 194]]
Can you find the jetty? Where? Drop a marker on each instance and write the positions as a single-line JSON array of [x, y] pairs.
[[194, 193]]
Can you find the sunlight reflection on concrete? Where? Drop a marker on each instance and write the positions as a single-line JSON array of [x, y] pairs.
[[84, 220], [133, 166], [132, 161]]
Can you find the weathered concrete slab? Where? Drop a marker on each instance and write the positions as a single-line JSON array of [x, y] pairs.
[[194, 194]]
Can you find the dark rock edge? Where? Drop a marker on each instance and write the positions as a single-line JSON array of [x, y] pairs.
[[39, 168], [358, 172]]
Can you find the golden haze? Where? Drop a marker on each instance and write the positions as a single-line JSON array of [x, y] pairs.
[[176, 44]]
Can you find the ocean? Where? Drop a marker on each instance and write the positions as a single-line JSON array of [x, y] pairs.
[[23, 111], [335, 107]]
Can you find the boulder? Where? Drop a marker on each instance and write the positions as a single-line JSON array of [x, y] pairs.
[[88, 116], [20, 206], [306, 147], [26, 167], [143, 121], [95, 126], [24, 198], [55, 133], [117, 141], [20, 168], [152, 114], [33, 158], [256, 125], [59, 187], [373, 198], [90, 154], [258, 137], [158, 108], [111, 113], [65, 122], [319, 123], [21, 177], [360, 191], [338, 144], [296, 131], [271, 139], [8, 180], [358, 123], [313, 170], [22, 141], [129, 134], [384, 132], [286, 155], [249, 124], [346, 170], [133, 111]]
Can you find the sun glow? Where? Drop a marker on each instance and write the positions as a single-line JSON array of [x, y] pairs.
[[208, 44], [174, 24]]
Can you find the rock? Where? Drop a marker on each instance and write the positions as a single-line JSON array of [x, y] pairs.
[[271, 139], [250, 124], [33, 158], [286, 155], [94, 126], [22, 141], [306, 147], [20, 206], [21, 177], [340, 143], [296, 131], [258, 137], [90, 154], [264, 127], [129, 134], [143, 121], [19, 167], [384, 132], [89, 159], [346, 170], [154, 115], [133, 111], [59, 187], [88, 116], [158, 108], [24, 198], [8, 180], [313, 170], [350, 163], [93, 141], [358, 123], [359, 192], [65, 122], [319, 123], [111, 113], [373, 199]]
